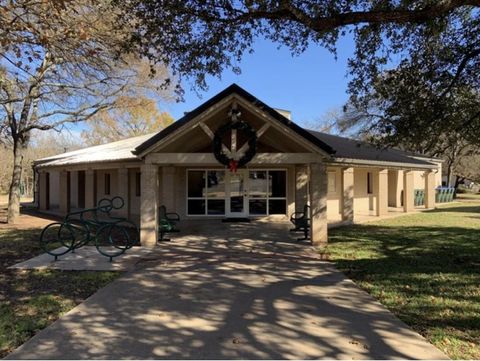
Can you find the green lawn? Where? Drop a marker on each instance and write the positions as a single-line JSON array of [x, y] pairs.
[[31, 300], [425, 268], [468, 196]]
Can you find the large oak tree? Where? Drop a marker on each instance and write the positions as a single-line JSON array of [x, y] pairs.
[[61, 62]]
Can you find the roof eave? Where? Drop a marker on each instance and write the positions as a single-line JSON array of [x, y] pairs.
[[381, 163], [143, 148]]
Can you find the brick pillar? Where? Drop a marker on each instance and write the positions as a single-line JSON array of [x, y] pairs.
[[63, 191], [149, 205], [408, 204], [318, 203], [347, 194], [122, 191], [90, 188], [381, 185], [168, 188], [429, 189], [42, 190]]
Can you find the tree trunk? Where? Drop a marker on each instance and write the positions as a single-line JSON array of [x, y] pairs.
[[14, 195]]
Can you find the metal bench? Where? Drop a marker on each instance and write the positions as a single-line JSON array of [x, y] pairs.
[[301, 221], [112, 235], [167, 222]]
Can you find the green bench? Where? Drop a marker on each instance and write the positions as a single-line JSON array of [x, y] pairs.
[[301, 221], [167, 222]]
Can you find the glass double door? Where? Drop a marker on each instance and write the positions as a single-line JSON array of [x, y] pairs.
[[237, 193]]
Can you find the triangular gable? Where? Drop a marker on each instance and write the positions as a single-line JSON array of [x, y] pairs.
[[233, 89]]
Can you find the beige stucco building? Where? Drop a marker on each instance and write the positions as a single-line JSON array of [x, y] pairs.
[[342, 179]]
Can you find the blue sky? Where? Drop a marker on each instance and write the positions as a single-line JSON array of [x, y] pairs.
[[308, 85]]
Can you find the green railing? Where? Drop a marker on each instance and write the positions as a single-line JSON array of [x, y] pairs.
[[442, 195], [111, 235]]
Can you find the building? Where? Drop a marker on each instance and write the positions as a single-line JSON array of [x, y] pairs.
[[191, 168]]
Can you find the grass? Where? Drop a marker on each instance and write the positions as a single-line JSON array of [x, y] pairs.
[[32, 300], [425, 268], [468, 196]]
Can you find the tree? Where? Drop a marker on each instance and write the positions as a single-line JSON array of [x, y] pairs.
[[60, 63], [131, 117], [198, 38]]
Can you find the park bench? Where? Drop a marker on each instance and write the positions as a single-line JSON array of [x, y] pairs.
[[112, 235], [301, 221], [167, 222]]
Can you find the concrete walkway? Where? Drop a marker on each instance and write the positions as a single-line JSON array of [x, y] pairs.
[[225, 296]]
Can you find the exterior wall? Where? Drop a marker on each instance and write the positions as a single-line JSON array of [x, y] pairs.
[[134, 200], [363, 202], [74, 189], [301, 187], [101, 183], [54, 187], [334, 196]]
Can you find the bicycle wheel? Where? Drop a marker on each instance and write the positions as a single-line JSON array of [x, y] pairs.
[[57, 239], [112, 240]]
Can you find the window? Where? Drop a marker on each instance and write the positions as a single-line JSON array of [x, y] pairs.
[[267, 192], [138, 185], [332, 182], [107, 184], [206, 192], [369, 183]]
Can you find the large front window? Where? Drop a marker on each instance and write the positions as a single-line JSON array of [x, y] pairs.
[[218, 192], [267, 192], [206, 192]]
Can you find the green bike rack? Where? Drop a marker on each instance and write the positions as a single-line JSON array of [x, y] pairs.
[[111, 235]]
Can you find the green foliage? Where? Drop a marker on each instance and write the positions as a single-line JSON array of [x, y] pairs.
[[199, 38], [424, 268]]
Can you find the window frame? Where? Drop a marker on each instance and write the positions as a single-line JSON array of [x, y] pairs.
[[268, 197], [205, 198], [248, 170]]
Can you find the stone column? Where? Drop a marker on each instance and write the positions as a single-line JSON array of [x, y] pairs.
[[90, 188], [408, 204], [149, 205], [301, 187], [42, 190], [348, 211], [62, 191], [122, 191], [318, 206], [429, 189], [381, 185], [168, 188]]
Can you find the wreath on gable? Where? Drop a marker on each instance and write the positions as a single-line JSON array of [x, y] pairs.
[[232, 162]]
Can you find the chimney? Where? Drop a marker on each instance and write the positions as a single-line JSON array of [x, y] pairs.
[[286, 113]]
